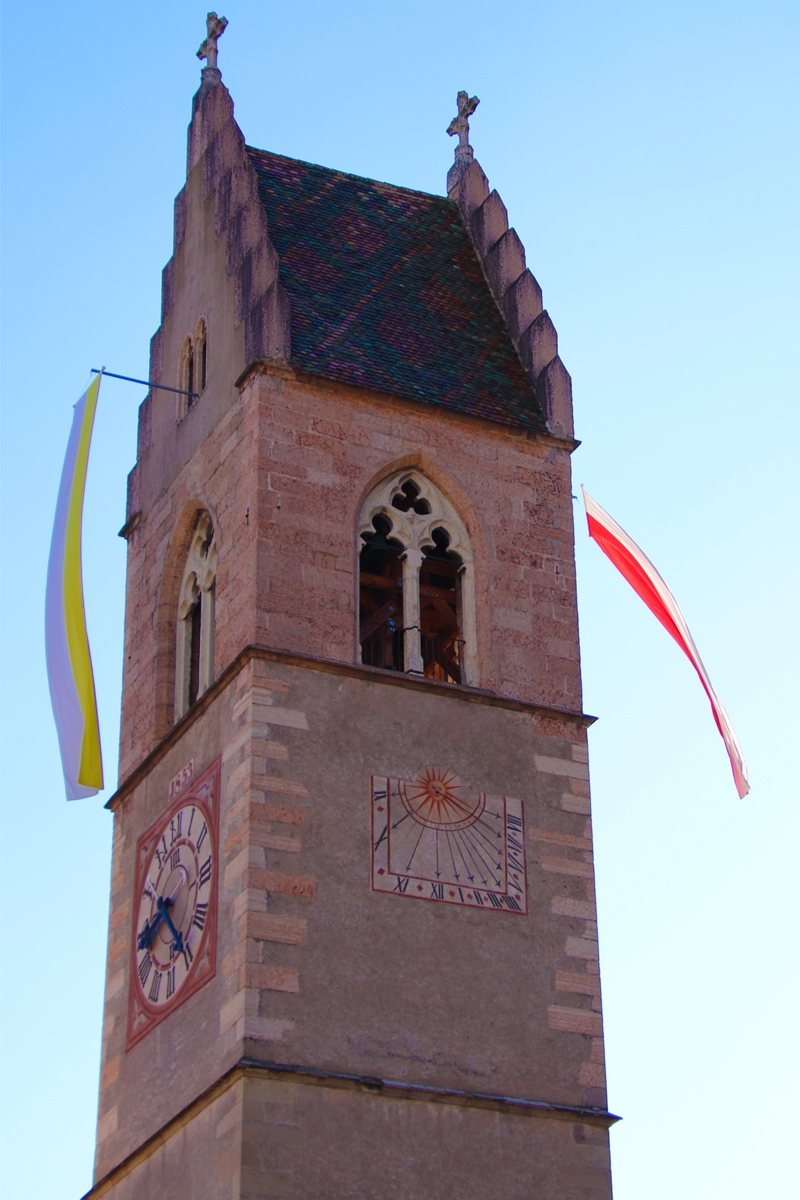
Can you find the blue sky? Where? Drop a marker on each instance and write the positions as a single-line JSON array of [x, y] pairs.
[[647, 154]]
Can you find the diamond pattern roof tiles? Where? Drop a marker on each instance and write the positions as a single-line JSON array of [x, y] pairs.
[[387, 292]]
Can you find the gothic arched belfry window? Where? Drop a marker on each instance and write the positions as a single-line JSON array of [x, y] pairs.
[[416, 582], [194, 652]]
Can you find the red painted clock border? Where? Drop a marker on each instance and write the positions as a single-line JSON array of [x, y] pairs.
[[205, 964]]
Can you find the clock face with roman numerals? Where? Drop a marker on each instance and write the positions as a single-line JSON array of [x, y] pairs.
[[436, 838], [173, 952]]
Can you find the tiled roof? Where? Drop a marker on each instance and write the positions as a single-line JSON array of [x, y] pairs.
[[387, 293]]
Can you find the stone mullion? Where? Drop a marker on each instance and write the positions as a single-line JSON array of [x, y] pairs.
[[468, 629], [412, 561]]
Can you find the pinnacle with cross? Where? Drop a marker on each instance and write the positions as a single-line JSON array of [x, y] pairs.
[[215, 27], [460, 124]]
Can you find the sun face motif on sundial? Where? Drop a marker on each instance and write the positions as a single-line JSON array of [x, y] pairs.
[[439, 799], [435, 838]]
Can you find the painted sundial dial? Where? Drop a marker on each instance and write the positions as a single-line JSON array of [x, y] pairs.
[[436, 838]]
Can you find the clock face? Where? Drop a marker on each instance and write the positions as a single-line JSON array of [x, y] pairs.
[[173, 950], [436, 838]]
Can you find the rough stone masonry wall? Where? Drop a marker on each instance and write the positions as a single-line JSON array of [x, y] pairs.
[[284, 474], [321, 449], [261, 1137], [220, 478], [315, 969]]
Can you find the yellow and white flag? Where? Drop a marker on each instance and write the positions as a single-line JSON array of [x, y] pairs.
[[69, 663]]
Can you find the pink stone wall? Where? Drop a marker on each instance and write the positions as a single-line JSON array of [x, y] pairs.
[[284, 474]]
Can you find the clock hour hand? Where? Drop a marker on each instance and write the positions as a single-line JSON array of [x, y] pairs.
[[176, 936], [145, 939]]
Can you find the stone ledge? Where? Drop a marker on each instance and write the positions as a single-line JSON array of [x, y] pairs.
[[251, 1068], [282, 370], [353, 671]]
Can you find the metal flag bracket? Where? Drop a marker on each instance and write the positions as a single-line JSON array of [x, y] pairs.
[[144, 382]]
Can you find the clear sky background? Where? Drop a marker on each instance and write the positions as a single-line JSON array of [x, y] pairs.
[[647, 154]]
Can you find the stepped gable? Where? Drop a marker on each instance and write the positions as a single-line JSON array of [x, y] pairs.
[[387, 292], [516, 292]]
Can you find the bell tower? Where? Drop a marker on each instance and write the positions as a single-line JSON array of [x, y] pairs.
[[352, 945]]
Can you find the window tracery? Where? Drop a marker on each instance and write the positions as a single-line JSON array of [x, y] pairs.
[[194, 652], [416, 585]]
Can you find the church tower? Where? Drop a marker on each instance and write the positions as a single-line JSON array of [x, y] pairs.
[[352, 947]]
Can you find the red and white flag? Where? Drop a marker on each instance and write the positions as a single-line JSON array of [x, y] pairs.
[[648, 584]]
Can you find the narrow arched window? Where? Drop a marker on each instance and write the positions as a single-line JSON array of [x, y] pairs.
[[194, 651], [185, 378], [416, 582], [193, 620], [200, 356]]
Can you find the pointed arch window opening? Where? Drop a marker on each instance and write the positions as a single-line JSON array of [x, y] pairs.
[[194, 651], [192, 368], [194, 621], [190, 373], [381, 598], [416, 585], [200, 355], [439, 618]]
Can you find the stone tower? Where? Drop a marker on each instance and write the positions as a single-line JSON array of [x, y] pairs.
[[352, 946]]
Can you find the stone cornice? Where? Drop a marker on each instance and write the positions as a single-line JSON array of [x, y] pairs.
[[353, 671], [281, 369], [252, 1068]]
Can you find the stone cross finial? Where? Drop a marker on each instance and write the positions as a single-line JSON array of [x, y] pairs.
[[215, 27], [460, 124]]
